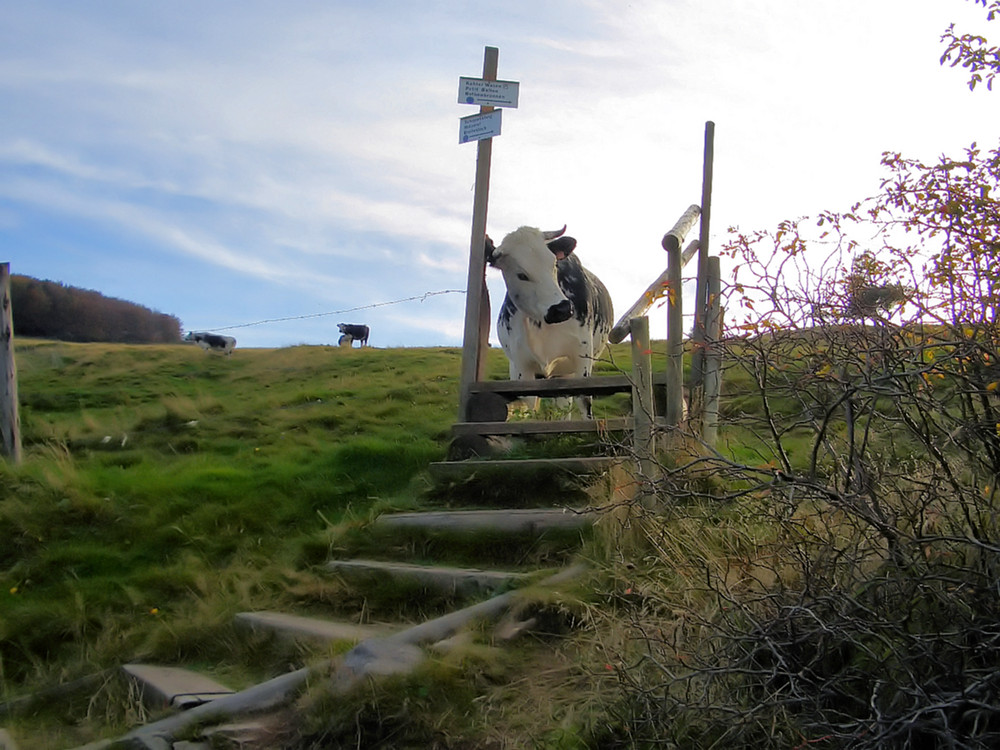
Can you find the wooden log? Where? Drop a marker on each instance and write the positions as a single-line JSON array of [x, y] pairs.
[[675, 237], [657, 290], [10, 421]]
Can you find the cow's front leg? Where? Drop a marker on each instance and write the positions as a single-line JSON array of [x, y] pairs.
[[525, 406]]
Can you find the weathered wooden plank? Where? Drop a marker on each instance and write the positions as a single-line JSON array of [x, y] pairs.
[[309, 628], [464, 581], [543, 427], [174, 686], [598, 385], [512, 520], [577, 465]]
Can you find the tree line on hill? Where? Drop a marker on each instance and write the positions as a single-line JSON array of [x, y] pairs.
[[48, 309]]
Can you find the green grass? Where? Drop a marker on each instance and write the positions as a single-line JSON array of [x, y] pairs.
[[145, 467], [163, 490]]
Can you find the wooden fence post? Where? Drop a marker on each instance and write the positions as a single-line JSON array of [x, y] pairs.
[[477, 301], [10, 421], [713, 353], [697, 407], [674, 411], [642, 397]]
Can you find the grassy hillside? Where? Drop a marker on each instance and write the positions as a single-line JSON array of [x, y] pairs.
[[163, 489], [827, 576]]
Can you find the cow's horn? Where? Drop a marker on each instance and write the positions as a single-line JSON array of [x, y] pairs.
[[549, 236]]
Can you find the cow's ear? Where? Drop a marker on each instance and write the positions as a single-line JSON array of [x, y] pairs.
[[562, 247], [491, 251]]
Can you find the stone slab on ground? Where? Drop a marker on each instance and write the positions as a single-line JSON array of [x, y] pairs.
[[310, 628], [528, 520], [173, 686], [457, 580]]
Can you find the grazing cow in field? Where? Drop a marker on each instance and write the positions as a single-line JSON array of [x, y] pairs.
[[556, 317], [212, 342], [355, 331]]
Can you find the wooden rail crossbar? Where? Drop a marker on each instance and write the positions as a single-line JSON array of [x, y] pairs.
[[596, 385], [616, 424]]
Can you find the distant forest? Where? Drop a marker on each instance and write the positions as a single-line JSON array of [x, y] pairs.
[[47, 309]]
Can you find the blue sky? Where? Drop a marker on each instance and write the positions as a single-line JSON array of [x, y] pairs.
[[230, 161]]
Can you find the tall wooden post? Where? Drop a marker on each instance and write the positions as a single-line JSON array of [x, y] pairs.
[[477, 301], [10, 422], [713, 354], [701, 295], [675, 339], [642, 393]]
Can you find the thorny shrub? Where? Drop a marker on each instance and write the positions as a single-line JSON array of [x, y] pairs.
[[838, 586]]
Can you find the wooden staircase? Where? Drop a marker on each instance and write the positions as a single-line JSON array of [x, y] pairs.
[[193, 710]]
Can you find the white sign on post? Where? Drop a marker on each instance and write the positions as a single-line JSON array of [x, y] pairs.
[[488, 93], [478, 127]]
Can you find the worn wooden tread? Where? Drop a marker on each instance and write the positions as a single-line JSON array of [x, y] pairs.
[[525, 520], [173, 686], [542, 427], [311, 628], [578, 465], [459, 580], [596, 385]]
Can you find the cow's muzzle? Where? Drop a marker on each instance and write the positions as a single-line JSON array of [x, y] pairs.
[[559, 313]]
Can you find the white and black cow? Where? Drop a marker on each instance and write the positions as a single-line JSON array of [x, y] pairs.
[[557, 315], [212, 342], [355, 331]]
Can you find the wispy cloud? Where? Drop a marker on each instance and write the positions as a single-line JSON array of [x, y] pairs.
[[273, 159]]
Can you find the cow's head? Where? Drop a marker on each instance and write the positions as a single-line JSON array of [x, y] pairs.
[[527, 258]]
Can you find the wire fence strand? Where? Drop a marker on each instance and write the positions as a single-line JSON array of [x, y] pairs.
[[420, 297]]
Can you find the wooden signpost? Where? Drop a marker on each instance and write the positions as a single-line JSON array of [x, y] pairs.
[[488, 93]]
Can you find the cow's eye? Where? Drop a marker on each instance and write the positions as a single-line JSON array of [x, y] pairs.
[[523, 276]]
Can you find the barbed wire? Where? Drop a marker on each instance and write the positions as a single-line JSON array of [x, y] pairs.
[[420, 297]]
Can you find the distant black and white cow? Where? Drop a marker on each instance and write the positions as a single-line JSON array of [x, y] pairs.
[[212, 342], [355, 331], [556, 317]]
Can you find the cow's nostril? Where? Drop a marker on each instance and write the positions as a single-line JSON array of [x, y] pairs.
[[560, 312]]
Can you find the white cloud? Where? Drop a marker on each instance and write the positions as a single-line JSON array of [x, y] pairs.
[[314, 145]]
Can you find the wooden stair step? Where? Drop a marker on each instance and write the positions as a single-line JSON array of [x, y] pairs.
[[174, 687], [458, 580], [527, 520], [544, 427], [310, 628], [578, 465], [596, 385]]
